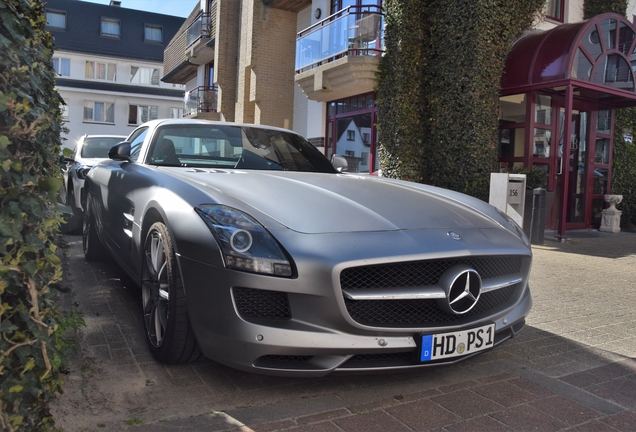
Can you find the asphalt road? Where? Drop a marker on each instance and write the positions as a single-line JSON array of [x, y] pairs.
[[572, 368]]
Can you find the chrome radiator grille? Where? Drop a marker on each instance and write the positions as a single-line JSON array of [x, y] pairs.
[[425, 312]]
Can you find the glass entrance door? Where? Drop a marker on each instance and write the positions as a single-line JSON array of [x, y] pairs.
[[577, 211]]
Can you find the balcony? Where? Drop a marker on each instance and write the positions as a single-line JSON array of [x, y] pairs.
[[199, 29], [201, 102], [190, 48], [339, 56]]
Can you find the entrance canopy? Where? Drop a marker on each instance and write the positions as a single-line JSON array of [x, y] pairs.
[[597, 57]]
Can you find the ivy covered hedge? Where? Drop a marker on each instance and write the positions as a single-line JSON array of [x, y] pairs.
[[624, 166], [438, 88], [592, 8], [30, 326]]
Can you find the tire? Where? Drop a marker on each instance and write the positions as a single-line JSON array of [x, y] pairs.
[[91, 244], [74, 221], [168, 330]]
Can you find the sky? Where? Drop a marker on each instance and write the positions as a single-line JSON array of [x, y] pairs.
[[180, 8]]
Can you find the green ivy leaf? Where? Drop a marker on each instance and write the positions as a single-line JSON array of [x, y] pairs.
[[50, 184]]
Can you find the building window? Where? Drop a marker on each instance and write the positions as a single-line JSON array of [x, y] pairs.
[[176, 112], [62, 66], [338, 5], [153, 33], [101, 71], [56, 19], [110, 27], [144, 75], [100, 112], [351, 135], [138, 114], [554, 9]]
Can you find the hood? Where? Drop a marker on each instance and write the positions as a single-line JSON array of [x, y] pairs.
[[333, 203]]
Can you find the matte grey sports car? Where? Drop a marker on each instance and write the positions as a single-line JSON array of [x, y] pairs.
[[252, 249]]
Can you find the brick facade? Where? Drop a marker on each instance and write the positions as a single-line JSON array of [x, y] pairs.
[[265, 90]]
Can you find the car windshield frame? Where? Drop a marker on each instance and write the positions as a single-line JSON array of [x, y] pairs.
[[234, 147]]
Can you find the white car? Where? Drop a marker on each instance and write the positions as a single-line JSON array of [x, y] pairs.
[[89, 151]]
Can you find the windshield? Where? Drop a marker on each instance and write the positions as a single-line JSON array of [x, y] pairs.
[[97, 147], [241, 147]]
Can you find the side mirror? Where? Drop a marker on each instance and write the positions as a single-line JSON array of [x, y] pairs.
[[62, 159], [120, 151], [340, 163]]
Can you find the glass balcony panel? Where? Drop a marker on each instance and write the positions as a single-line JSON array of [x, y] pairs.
[[354, 31], [200, 28]]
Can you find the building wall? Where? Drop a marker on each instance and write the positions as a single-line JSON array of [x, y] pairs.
[[75, 97], [266, 65], [226, 56]]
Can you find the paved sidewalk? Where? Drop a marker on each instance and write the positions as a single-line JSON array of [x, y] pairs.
[[572, 368]]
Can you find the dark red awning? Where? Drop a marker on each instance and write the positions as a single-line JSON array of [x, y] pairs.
[[597, 56]]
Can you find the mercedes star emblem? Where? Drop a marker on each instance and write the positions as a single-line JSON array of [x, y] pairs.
[[462, 285]]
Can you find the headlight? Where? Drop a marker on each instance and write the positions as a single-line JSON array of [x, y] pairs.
[[514, 227], [82, 171], [246, 244]]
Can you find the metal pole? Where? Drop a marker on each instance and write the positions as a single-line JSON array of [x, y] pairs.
[[565, 160]]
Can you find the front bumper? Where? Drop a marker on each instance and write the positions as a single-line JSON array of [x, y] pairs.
[[319, 336]]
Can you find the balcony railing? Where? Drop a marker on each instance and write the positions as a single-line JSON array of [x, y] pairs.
[[200, 99], [199, 29], [355, 30]]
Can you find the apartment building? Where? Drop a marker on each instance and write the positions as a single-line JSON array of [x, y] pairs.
[[109, 62], [309, 65]]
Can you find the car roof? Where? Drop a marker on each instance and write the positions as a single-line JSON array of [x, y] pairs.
[[103, 136], [182, 121]]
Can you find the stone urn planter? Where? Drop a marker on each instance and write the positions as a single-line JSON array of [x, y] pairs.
[[611, 219]]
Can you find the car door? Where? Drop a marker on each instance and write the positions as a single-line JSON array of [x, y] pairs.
[[118, 181]]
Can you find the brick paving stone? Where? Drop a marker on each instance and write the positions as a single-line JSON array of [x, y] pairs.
[[479, 424], [122, 356], [567, 411], [505, 393], [531, 387], [421, 395], [625, 421], [582, 379], [94, 338], [621, 391], [272, 426], [496, 378], [319, 427], [613, 370], [117, 345], [370, 406], [329, 415], [593, 426], [526, 418], [466, 404], [376, 421], [459, 386], [423, 415]]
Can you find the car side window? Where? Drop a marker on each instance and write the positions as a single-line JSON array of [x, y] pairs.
[[136, 140]]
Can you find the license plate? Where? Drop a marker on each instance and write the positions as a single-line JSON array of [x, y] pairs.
[[455, 344]]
